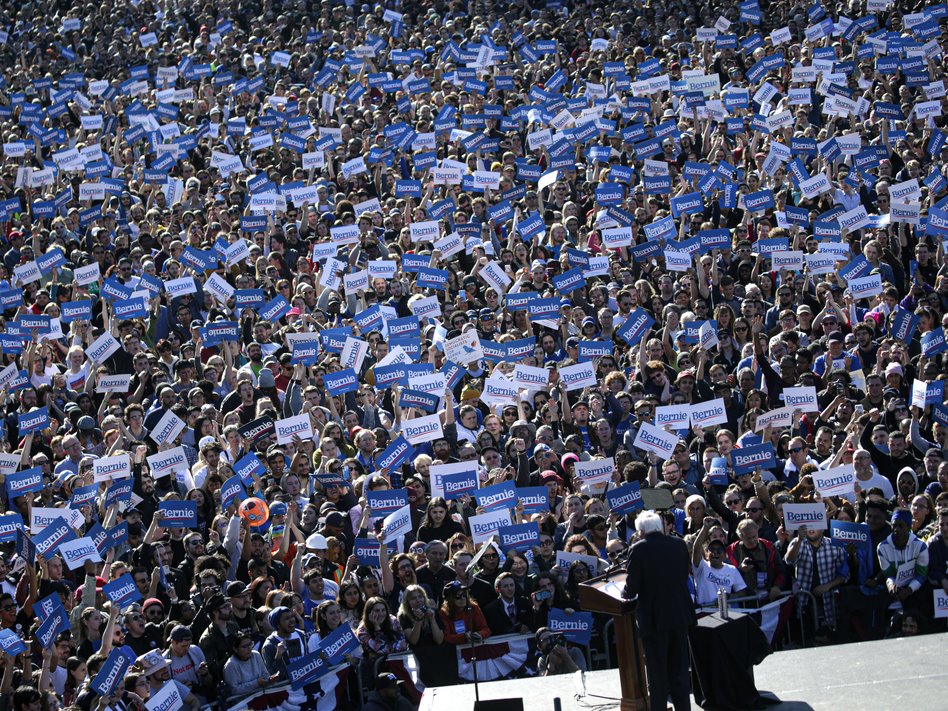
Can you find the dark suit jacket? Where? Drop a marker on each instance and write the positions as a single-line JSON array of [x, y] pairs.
[[500, 623], [658, 574]]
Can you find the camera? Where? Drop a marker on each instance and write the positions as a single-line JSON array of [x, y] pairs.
[[423, 609], [557, 640]]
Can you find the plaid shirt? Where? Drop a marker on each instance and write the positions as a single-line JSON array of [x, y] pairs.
[[831, 562]]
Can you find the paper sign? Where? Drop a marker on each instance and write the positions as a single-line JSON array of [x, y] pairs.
[[464, 349], [77, 552], [802, 399], [397, 523], [837, 481], [298, 425], [652, 439], [117, 467], [813, 516], [167, 461], [579, 376], [423, 429], [708, 414], [486, 525], [595, 471], [167, 429], [625, 499]]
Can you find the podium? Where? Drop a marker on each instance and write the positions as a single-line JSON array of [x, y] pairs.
[[605, 594]]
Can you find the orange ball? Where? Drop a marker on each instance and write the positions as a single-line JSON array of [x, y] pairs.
[[254, 510]]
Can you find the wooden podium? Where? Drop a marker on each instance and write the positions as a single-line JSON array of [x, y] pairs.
[[605, 594]]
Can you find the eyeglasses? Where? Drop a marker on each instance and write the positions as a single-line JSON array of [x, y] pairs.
[[7, 608]]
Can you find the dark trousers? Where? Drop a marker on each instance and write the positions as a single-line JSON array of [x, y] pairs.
[[666, 662]]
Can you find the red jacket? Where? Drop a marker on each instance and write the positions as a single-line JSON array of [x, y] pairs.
[[474, 621], [775, 574]]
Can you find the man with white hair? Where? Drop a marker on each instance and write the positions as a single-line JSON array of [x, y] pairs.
[[657, 573]]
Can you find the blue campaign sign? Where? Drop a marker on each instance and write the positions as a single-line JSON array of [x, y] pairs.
[[535, 499], [343, 381], [458, 484], [118, 534], [718, 471], [120, 491], [388, 375], [747, 459], [422, 400], [11, 643], [76, 311], [498, 496], [844, 532], [933, 342], [367, 550], [307, 669], [22, 482], [52, 536], [9, 525], [56, 622], [519, 537], [575, 626], [386, 501], [636, 325], [625, 499], [274, 309], [232, 491], [33, 421], [25, 548], [178, 514], [113, 670], [83, 495], [122, 591]]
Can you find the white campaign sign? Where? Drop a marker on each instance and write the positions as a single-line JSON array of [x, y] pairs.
[[397, 523], [423, 429], [813, 516], [486, 525], [168, 428], [802, 399], [167, 461], [595, 471], [464, 349], [106, 468], [652, 439], [579, 376], [837, 481], [299, 425]]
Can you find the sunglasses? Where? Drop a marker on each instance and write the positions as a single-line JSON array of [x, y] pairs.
[[795, 450]]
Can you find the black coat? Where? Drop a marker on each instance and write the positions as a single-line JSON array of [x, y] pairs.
[[497, 619], [658, 572]]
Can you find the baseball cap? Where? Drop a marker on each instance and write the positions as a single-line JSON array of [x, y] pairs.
[[386, 681], [236, 589]]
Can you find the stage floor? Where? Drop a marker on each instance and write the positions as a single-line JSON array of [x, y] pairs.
[[891, 674]]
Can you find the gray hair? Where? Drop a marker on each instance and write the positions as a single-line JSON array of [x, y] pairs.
[[649, 522]]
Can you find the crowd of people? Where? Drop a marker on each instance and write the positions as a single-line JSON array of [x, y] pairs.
[[335, 331]]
